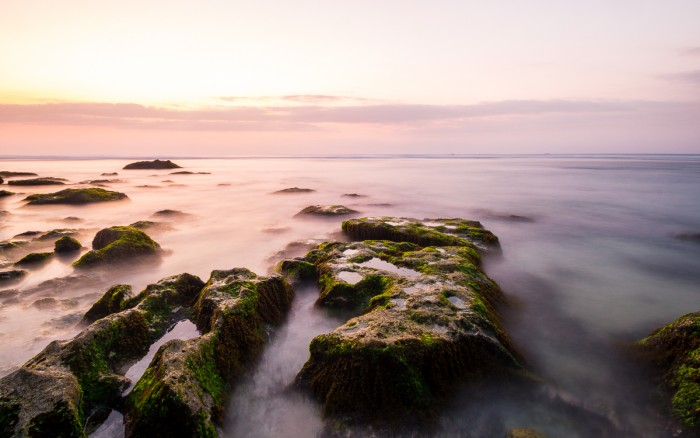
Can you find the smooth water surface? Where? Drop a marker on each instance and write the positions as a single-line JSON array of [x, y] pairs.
[[594, 266]]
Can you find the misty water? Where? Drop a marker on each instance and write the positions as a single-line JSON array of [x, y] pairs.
[[591, 262]]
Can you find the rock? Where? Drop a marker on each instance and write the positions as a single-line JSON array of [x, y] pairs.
[[155, 164], [184, 390], [109, 174], [326, 210], [54, 392], [187, 172], [12, 275], [45, 303], [30, 233], [428, 232], [72, 219], [674, 351], [57, 233], [170, 213], [118, 244], [353, 195], [425, 324], [9, 246], [113, 301], [67, 244], [1, 180], [294, 190], [691, 237], [521, 432], [4, 193], [8, 174], [34, 258], [38, 182], [101, 181], [75, 197]]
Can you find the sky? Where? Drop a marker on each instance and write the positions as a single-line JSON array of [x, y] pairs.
[[285, 78]]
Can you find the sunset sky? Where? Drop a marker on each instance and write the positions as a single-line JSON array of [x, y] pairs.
[[333, 77]]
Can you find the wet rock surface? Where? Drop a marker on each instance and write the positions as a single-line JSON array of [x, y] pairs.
[[155, 164], [674, 351], [184, 390], [75, 197], [54, 392], [425, 321], [326, 210], [118, 244]]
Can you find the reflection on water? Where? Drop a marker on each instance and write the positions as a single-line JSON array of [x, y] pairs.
[[594, 266]]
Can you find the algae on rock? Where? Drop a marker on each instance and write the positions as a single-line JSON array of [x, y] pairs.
[[75, 197], [674, 350], [184, 390], [55, 391], [117, 244], [425, 321]]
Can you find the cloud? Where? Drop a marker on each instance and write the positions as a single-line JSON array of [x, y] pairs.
[[306, 99], [692, 76], [691, 51], [315, 117]]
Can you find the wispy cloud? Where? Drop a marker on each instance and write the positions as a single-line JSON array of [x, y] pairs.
[[692, 77], [691, 51], [305, 99], [311, 117]]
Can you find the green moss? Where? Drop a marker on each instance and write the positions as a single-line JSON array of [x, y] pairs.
[[129, 242], [64, 421], [75, 196], [34, 258], [203, 368], [67, 244], [9, 416]]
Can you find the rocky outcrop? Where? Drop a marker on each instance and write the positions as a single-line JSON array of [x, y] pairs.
[[674, 351], [9, 174], [114, 300], [155, 164], [118, 244], [75, 197], [54, 392], [4, 193], [425, 321], [37, 182], [292, 190], [67, 244], [184, 390], [326, 210], [34, 258]]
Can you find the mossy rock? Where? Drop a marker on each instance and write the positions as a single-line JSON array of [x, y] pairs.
[[426, 232], [155, 164], [4, 193], [67, 244], [114, 300], [425, 322], [57, 233], [326, 210], [118, 244], [75, 197], [293, 190], [184, 390], [38, 182], [674, 350], [53, 393], [35, 258]]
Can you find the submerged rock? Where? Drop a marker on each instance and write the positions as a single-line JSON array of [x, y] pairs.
[[109, 174], [171, 213], [674, 350], [75, 197], [426, 323], [12, 275], [35, 258], [691, 237], [38, 182], [54, 392], [67, 244], [293, 190], [326, 210], [155, 164], [8, 174], [187, 172], [57, 233], [4, 193], [184, 390], [118, 244]]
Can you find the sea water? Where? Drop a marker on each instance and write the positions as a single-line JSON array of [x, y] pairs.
[[591, 262]]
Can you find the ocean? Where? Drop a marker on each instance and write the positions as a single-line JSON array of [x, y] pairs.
[[593, 260]]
